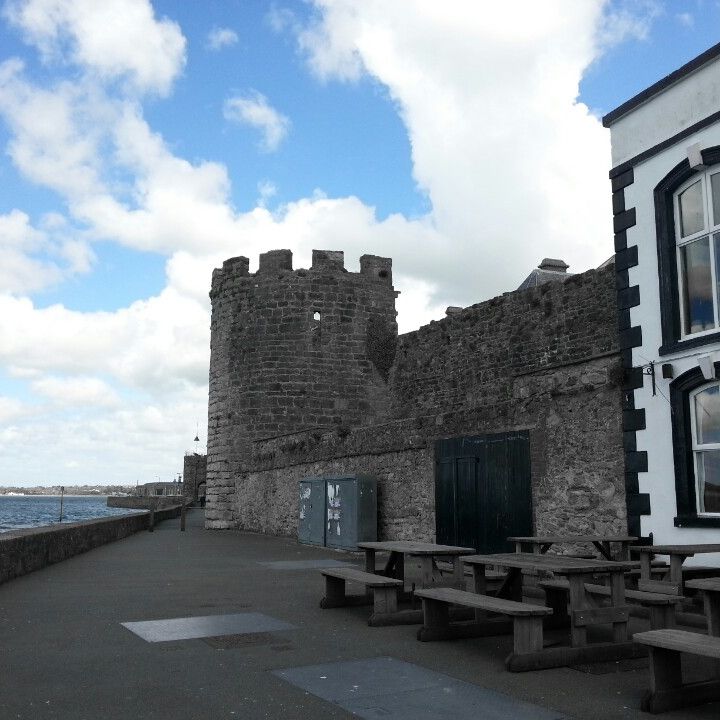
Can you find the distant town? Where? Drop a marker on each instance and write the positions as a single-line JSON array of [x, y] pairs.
[[70, 490]]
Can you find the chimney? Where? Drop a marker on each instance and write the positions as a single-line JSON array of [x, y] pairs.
[[553, 265]]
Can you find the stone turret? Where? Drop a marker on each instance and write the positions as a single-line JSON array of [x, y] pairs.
[[292, 350]]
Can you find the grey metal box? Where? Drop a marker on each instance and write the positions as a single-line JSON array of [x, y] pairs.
[[351, 511], [311, 520]]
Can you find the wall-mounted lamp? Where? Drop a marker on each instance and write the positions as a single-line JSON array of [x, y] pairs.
[[649, 369]]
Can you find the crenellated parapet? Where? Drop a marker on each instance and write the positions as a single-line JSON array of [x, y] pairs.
[[277, 263]]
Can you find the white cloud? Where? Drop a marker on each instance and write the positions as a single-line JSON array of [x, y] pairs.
[[82, 391], [10, 410], [685, 19], [112, 38], [514, 166], [157, 346], [253, 109], [219, 38], [628, 20], [34, 259]]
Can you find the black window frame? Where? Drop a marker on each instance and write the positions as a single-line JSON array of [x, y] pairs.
[[685, 494], [667, 255]]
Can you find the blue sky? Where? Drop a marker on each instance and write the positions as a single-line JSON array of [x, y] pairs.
[[144, 142]]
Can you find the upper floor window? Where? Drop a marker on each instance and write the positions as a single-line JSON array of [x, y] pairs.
[[705, 419], [697, 233]]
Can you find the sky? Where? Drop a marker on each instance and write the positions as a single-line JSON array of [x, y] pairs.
[[142, 142]]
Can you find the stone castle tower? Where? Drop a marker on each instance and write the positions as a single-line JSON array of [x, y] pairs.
[[292, 350]]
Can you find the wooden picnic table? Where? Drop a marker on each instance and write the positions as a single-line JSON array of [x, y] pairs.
[[672, 585], [583, 609], [710, 588], [426, 555], [542, 543], [667, 689]]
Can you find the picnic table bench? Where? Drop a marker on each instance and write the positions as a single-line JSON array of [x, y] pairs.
[[667, 690], [384, 591], [527, 625]]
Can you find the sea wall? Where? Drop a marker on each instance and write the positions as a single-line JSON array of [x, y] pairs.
[[23, 551]]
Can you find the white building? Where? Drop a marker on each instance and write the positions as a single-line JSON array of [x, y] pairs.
[[666, 206]]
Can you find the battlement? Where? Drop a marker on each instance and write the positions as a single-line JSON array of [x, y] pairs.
[[274, 262]]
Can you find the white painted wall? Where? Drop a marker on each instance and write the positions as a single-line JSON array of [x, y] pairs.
[[656, 439], [679, 106]]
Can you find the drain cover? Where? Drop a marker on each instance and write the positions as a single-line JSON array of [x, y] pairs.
[[228, 642], [614, 666]]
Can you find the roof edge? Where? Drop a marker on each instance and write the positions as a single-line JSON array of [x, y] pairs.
[[655, 89]]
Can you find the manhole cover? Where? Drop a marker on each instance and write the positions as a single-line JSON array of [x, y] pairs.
[[228, 642], [614, 666]]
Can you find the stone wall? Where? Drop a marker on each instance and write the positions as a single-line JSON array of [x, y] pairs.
[[194, 474], [292, 349], [24, 551], [544, 359]]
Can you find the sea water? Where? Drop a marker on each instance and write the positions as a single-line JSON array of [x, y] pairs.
[[27, 511]]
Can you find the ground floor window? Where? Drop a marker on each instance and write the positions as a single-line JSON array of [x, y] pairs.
[[705, 404], [695, 406]]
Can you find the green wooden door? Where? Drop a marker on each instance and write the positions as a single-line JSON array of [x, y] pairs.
[[482, 490]]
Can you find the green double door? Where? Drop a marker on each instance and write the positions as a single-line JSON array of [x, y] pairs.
[[483, 492]]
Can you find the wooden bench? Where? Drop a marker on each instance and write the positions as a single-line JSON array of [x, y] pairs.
[[667, 691], [527, 625], [661, 607], [384, 591]]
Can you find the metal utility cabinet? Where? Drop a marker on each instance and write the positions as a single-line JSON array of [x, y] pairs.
[[311, 522], [338, 512]]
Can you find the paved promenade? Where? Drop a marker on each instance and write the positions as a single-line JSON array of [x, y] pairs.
[[64, 652]]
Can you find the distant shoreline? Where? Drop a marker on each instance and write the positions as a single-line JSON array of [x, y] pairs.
[[70, 491]]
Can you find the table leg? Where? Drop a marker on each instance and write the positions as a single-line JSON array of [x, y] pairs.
[[458, 573], [645, 566], [676, 563], [399, 567], [617, 599], [578, 601], [603, 547], [429, 575], [479, 587], [511, 588], [625, 550], [712, 612], [369, 560]]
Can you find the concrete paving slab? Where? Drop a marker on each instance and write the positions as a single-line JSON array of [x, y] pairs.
[[343, 681], [389, 688], [205, 626]]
